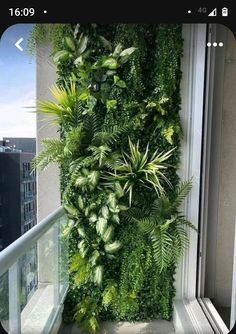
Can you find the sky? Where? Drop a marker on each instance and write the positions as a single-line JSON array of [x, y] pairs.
[[17, 84]]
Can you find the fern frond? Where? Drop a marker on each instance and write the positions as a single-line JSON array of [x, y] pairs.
[[147, 225], [184, 221], [109, 135], [100, 153], [97, 122], [161, 207], [162, 245], [133, 214], [111, 160], [73, 139], [79, 163], [182, 191], [180, 240], [91, 125], [52, 152], [77, 114]]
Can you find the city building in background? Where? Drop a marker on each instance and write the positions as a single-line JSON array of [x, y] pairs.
[[17, 196], [22, 144], [18, 207]]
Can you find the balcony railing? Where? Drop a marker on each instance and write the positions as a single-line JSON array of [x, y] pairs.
[[19, 312]]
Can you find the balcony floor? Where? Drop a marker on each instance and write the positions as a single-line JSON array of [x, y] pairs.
[[154, 327]]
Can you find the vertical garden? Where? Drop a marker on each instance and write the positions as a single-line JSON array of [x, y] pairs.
[[117, 102]]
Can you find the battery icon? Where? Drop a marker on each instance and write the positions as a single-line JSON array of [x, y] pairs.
[[224, 11]]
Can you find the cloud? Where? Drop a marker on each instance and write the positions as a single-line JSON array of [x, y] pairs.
[[16, 120]]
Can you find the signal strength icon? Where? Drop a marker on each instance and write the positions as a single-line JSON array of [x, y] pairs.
[[213, 13]]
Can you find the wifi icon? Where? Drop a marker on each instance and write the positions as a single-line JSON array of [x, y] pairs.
[[213, 13]]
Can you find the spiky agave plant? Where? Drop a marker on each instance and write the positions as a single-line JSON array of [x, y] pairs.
[[138, 168]]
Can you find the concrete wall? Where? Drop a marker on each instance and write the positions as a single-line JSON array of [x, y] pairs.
[[48, 189], [227, 180], [48, 180]]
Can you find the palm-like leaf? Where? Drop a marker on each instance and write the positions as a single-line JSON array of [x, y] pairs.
[[65, 99], [49, 107], [65, 96]]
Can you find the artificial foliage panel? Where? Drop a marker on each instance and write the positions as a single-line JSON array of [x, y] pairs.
[[117, 105]]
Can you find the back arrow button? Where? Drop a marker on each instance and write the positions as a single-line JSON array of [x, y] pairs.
[[17, 44]]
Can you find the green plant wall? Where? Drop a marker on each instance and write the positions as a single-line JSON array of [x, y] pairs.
[[118, 108]]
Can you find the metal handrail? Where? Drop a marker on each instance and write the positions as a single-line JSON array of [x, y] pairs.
[[9, 255]]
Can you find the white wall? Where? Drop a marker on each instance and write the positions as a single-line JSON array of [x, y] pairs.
[[48, 180], [48, 186]]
